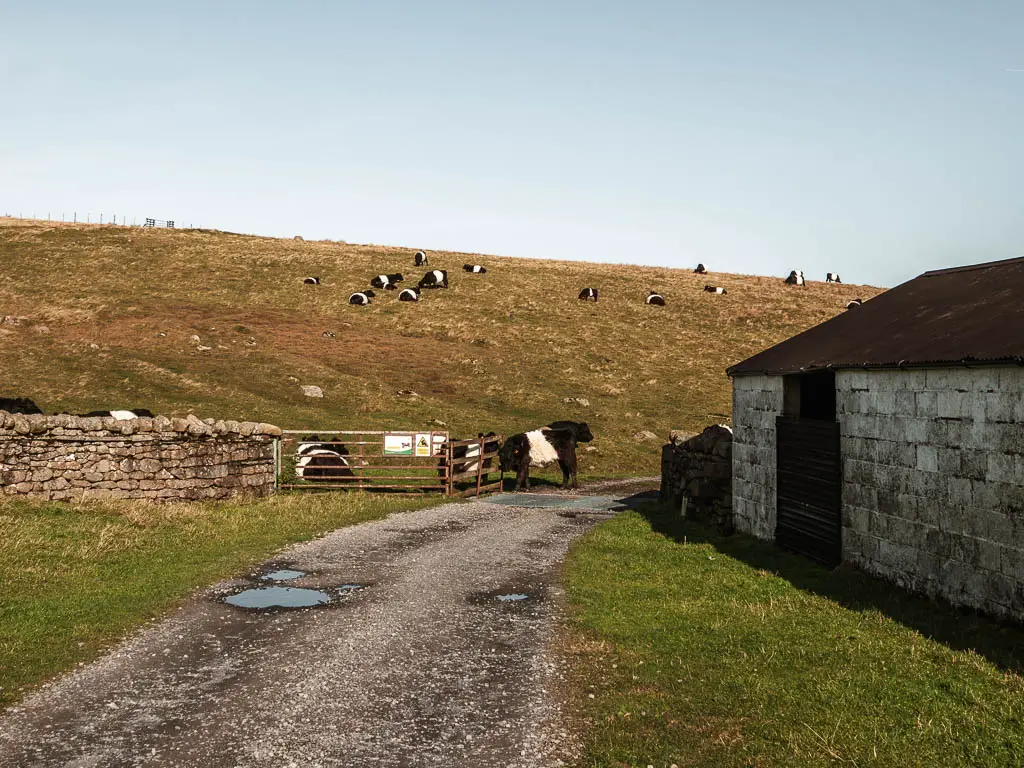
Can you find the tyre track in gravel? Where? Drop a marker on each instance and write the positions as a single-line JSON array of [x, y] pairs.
[[423, 667]]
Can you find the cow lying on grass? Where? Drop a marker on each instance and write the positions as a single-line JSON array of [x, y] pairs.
[[123, 415], [541, 447]]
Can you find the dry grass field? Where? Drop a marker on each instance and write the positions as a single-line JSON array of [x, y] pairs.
[[112, 314]]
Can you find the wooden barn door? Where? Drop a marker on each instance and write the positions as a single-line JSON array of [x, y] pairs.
[[809, 488]]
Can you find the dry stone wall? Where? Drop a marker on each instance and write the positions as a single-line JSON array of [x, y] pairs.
[[696, 475], [756, 402], [66, 457], [933, 481]]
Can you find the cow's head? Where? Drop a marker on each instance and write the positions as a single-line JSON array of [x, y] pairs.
[[583, 433]]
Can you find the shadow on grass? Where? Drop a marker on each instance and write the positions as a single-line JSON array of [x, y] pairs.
[[956, 628]]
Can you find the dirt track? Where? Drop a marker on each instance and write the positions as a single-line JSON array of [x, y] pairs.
[[422, 667]]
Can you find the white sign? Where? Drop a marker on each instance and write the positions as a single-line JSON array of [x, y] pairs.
[[398, 445]]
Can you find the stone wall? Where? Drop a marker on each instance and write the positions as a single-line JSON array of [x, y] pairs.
[[696, 472], [756, 401], [70, 457], [933, 481]]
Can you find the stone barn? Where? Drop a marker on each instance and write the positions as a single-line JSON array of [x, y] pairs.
[[892, 437]]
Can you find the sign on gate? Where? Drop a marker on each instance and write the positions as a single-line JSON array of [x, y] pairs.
[[398, 445]]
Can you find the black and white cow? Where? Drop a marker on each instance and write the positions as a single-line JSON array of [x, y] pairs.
[[435, 278], [123, 415], [796, 277], [361, 298], [409, 294], [321, 462], [832, 277], [587, 294], [700, 270], [389, 282], [554, 443], [476, 269], [19, 405], [714, 289], [420, 259], [855, 303], [311, 281], [655, 298]]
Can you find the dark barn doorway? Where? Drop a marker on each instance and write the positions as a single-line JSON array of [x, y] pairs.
[[809, 469]]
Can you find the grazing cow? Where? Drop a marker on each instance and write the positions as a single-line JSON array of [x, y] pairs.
[[655, 298], [854, 303], [700, 270], [409, 294], [311, 281], [588, 293], [541, 447], [796, 277], [19, 405], [476, 269], [388, 282], [832, 277], [134, 413], [361, 298], [420, 259], [714, 289], [321, 462], [435, 278]]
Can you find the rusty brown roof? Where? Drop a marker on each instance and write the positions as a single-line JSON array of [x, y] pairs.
[[961, 316]]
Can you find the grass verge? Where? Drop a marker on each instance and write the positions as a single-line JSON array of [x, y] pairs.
[[700, 650], [74, 578]]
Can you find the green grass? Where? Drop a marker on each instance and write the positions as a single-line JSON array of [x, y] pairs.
[[74, 578], [708, 651], [111, 314]]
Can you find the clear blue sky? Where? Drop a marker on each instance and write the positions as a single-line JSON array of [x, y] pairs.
[[876, 139]]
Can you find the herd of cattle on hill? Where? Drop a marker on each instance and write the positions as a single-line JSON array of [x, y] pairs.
[[438, 278]]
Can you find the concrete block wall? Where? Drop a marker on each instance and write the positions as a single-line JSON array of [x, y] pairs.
[[933, 481], [67, 457], [756, 402]]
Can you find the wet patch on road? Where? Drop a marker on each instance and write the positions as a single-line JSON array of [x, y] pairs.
[[283, 574], [263, 598], [511, 595]]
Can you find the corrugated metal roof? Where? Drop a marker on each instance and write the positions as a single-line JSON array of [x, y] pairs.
[[947, 317]]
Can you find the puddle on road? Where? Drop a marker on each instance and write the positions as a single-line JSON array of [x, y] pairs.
[[285, 574], [510, 598], [350, 589], [278, 597]]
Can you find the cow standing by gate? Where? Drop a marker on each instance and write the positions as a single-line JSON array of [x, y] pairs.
[[541, 447]]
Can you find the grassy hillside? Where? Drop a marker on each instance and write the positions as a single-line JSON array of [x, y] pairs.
[[113, 312]]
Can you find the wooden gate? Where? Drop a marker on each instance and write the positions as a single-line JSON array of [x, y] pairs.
[[387, 461], [473, 462], [809, 488]]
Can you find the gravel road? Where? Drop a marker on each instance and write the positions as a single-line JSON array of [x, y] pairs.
[[422, 667]]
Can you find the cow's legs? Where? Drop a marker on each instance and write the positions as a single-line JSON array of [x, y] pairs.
[[523, 478], [566, 469], [571, 466]]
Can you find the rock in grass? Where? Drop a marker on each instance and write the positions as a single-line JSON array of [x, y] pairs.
[[310, 390], [644, 435]]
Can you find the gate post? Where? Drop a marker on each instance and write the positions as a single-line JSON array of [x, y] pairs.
[[449, 483]]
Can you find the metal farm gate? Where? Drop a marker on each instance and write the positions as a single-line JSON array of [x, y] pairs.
[[809, 488], [386, 461]]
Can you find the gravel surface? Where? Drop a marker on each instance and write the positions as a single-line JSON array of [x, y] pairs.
[[422, 667]]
